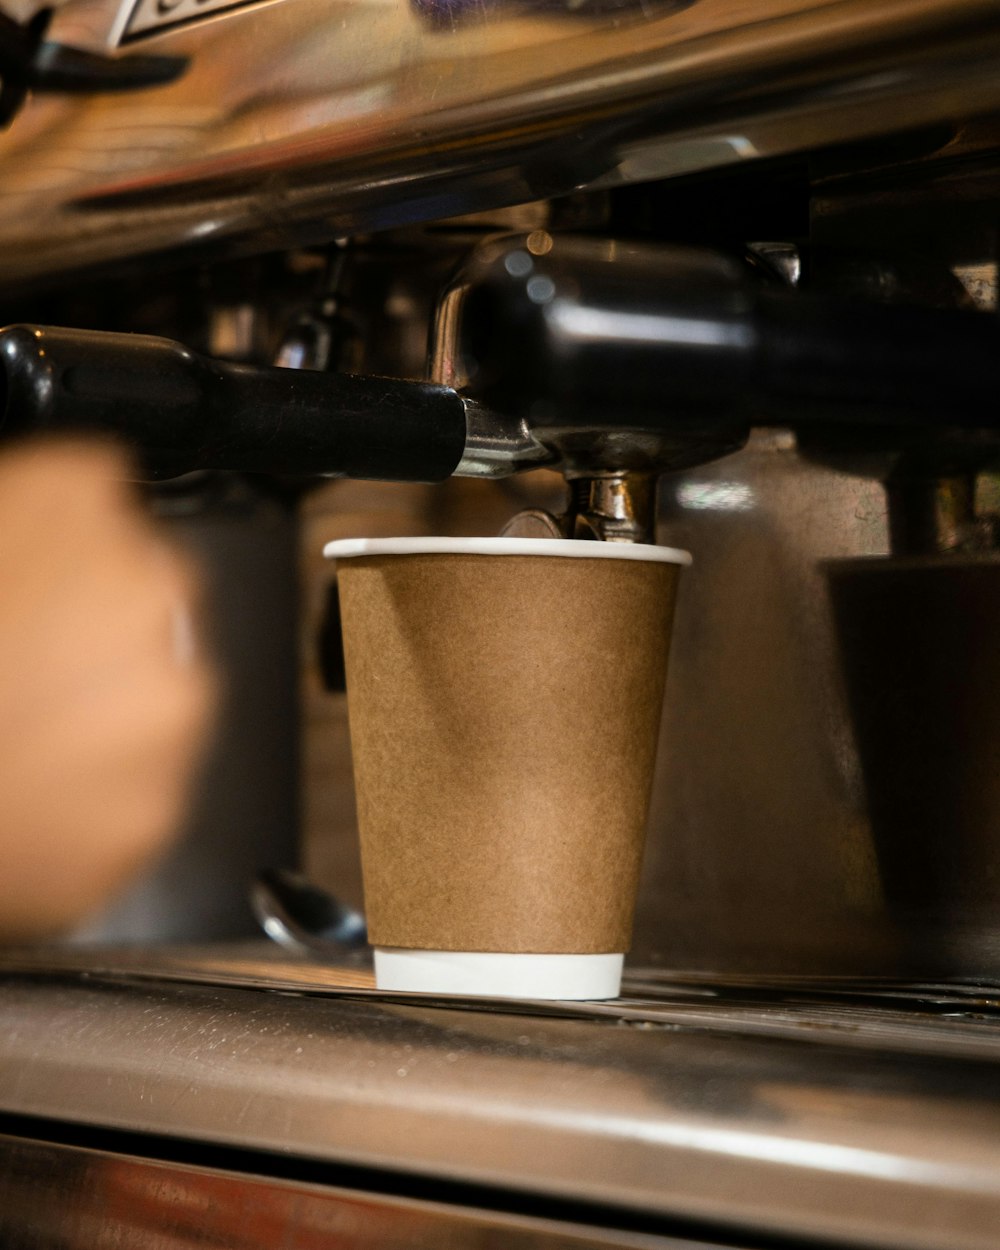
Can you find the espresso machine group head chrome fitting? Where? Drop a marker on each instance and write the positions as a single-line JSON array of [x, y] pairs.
[[629, 357], [618, 362]]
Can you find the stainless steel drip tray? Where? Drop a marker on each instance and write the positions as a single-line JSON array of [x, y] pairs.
[[944, 1018], [865, 1113]]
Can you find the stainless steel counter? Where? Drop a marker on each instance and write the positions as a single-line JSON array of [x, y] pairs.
[[863, 1113]]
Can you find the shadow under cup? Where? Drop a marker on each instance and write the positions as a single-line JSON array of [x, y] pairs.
[[504, 698]]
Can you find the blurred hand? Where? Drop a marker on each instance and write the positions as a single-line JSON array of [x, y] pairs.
[[104, 704]]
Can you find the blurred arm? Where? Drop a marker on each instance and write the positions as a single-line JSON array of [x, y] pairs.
[[104, 701]]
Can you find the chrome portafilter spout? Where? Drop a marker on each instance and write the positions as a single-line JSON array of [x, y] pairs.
[[614, 507]]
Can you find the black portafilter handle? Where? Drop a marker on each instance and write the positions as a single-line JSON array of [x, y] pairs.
[[184, 412]]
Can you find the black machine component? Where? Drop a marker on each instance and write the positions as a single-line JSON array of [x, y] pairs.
[[185, 412], [605, 359], [637, 358]]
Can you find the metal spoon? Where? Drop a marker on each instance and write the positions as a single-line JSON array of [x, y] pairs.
[[303, 917]]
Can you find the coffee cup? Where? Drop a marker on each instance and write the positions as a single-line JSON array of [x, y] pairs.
[[504, 698]]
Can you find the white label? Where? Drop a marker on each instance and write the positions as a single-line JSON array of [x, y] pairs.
[[150, 16]]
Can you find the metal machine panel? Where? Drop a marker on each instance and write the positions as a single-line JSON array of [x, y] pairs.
[[867, 1115], [302, 119]]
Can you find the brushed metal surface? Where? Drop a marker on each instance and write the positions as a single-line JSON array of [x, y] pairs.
[[308, 119], [58, 1197], [760, 854], [839, 1131]]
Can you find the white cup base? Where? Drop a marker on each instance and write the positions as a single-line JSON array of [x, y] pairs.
[[482, 974]]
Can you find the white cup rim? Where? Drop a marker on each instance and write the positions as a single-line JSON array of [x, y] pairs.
[[346, 548]]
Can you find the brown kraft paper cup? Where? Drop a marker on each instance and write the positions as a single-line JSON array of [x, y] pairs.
[[504, 712]]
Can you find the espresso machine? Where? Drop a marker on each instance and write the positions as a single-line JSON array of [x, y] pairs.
[[715, 275]]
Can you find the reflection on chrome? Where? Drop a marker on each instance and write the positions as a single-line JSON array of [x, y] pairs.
[[716, 496], [595, 325], [379, 111]]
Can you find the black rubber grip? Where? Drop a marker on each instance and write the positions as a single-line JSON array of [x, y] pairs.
[[182, 411]]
